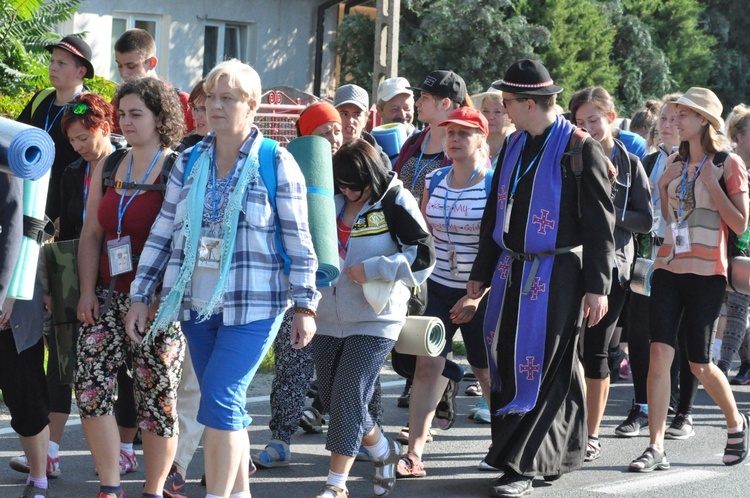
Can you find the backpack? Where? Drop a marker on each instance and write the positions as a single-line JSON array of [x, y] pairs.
[[441, 172], [43, 94], [418, 299], [267, 170], [112, 162], [576, 162]]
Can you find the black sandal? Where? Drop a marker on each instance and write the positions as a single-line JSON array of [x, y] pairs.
[[738, 449], [650, 460], [446, 408]]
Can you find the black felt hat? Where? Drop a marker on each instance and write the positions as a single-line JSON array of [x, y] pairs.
[[527, 77], [77, 47], [445, 84]]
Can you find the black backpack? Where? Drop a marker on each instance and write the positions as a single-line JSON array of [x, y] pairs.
[[112, 162]]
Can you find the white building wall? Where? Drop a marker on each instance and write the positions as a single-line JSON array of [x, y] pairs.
[[281, 37]]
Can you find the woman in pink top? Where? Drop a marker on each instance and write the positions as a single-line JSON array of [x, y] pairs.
[[703, 194]]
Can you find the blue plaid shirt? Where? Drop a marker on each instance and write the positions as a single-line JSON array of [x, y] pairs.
[[257, 287]]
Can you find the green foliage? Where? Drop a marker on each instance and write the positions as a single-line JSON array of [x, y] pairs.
[[354, 44], [11, 104], [25, 27], [581, 40]]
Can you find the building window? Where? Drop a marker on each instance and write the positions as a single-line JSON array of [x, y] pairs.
[[224, 41], [122, 22]]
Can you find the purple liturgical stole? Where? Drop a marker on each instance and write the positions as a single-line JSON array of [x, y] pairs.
[[540, 237]]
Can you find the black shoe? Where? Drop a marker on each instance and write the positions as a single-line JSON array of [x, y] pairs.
[[403, 400], [312, 390], [632, 425], [681, 428], [743, 376], [511, 485]]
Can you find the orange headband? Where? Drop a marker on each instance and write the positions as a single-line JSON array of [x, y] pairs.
[[316, 115]]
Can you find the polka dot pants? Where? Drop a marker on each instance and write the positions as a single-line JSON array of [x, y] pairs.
[[348, 369]]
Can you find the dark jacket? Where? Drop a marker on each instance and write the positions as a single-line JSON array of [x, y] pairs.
[[11, 228], [631, 196], [410, 148]]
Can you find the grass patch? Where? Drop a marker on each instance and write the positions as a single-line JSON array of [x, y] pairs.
[[459, 348], [267, 365]]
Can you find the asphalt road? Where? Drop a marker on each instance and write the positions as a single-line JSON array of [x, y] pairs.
[[451, 460]]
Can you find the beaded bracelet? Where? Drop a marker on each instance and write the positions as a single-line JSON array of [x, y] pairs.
[[306, 311]]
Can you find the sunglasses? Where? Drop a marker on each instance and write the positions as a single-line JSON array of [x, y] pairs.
[[353, 188], [78, 109], [519, 99]]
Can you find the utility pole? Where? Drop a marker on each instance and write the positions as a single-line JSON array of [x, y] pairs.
[[386, 42]]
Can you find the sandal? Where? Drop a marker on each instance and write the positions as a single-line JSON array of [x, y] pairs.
[[736, 450], [393, 458], [474, 389], [337, 492], [651, 459], [312, 421], [403, 435], [275, 454], [445, 413], [410, 465]]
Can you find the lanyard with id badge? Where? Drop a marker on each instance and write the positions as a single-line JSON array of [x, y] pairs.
[[452, 254], [119, 249], [210, 244], [518, 176], [679, 227]]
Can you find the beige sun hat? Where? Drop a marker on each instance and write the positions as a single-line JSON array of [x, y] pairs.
[[478, 97], [706, 103]]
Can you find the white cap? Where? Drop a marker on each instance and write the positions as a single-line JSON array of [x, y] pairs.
[[393, 86]]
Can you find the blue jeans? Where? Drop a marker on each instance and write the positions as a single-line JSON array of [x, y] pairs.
[[225, 359]]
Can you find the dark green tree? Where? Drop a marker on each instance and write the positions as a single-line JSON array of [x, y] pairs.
[[354, 46], [581, 40]]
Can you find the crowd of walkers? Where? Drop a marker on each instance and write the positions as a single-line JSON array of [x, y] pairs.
[[529, 226]]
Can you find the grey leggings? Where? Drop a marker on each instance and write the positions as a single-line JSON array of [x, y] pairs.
[[735, 339]]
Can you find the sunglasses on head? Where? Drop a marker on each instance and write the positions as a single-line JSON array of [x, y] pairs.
[[78, 109]]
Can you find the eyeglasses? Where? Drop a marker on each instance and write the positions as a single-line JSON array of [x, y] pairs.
[[353, 188], [78, 109], [518, 99]]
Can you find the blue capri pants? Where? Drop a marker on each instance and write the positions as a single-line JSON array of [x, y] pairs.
[[225, 359]]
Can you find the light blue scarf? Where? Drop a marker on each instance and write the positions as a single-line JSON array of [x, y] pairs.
[[191, 230]]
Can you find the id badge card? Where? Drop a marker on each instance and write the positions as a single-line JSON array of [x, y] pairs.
[[681, 237], [453, 260], [209, 252], [120, 256], [508, 210]]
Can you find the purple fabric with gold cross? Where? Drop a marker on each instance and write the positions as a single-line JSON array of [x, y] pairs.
[[540, 237]]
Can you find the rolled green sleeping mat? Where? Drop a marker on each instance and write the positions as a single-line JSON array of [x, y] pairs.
[[61, 259], [34, 201], [313, 154], [25, 151], [421, 336]]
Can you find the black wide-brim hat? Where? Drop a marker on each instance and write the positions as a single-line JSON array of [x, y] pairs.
[[527, 77], [78, 48]]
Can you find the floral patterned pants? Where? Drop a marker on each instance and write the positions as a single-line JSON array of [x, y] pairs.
[[157, 368]]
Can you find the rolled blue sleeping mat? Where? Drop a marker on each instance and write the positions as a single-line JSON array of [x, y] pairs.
[[390, 137], [25, 151], [313, 154]]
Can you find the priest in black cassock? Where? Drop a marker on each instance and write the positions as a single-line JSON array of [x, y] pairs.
[[546, 252]]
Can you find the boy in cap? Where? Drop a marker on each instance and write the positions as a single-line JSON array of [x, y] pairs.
[[396, 102], [135, 54], [546, 244], [70, 63], [353, 104]]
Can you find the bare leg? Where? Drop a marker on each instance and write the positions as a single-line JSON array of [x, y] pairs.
[[659, 382], [717, 386], [427, 388], [483, 377], [57, 423], [127, 434], [223, 456], [242, 482], [35, 449], [104, 444], [158, 453], [597, 392]]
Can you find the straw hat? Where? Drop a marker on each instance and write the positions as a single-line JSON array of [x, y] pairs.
[[706, 103]]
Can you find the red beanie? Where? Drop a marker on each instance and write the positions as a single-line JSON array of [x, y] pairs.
[[315, 115]]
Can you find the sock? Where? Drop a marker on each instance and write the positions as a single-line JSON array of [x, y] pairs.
[[212, 496], [149, 495], [39, 482], [111, 490], [334, 479], [53, 451], [644, 408], [379, 450], [733, 440], [241, 494], [127, 448]]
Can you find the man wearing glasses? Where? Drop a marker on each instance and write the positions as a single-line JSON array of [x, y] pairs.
[[546, 251]]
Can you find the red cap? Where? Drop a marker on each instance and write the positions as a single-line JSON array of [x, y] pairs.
[[315, 115], [469, 118]]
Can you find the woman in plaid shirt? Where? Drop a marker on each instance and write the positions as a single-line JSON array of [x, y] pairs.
[[223, 275]]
